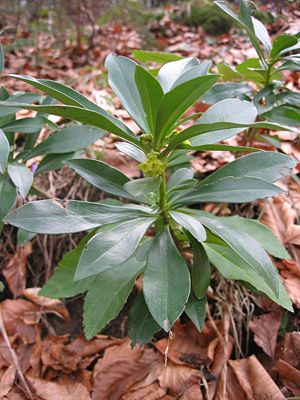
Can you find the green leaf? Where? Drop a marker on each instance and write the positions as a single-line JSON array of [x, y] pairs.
[[246, 247], [201, 271], [281, 43], [179, 178], [141, 325], [245, 20], [131, 151], [101, 175], [27, 125], [195, 310], [53, 217], [262, 234], [110, 290], [151, 95], [67, 140], [193, 225], [54, 161], [102, 120], [24, 237], [231, 190], [222, 91], [21, 176], [112, 247], [4, 151], [142, 187], [6, 109], [8, 195], [284, 115], [60, 92], [270, 166], [220, 147], [121, 78], [166, 282], [158, 57], [1, 60], [228, 73], [170, 72], [62, 284], [229, 110], [262, 34], [251, 70], [179, 100], [232, 266]]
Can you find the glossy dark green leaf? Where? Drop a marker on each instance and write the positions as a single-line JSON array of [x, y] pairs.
[[179, 100], [222, 91], [251, 70], [143, 186], [166, 282], [121, 78], [281, 43], [21, 176], [229, 110], [232, 266], [27, 125], [112, 247], [131, 151], [8, 110], [101, 175], [68, 140], [284, 115], [195, 310], [193, 225], [62, 284], [4, 151], [60, 92], [246, 247], [54, 161], [270, 166], [8, 195], [102, 120], [151, 95], [262, 234], [107, 296], [228, 73], [179, 178], [232, 190], [201, 271], [159, 57], [170, 72], [53, 217], [24, 237], [220, 147], [141, 325]]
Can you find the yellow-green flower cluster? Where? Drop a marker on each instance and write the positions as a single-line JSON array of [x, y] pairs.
[[152, 166]]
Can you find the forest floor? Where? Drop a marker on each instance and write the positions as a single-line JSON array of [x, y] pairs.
[[249, 348]]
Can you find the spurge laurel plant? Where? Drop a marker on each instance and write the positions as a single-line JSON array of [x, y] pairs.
[[149, 233]]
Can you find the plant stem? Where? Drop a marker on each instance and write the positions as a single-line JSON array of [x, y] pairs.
[[163, 198], [40, 192]]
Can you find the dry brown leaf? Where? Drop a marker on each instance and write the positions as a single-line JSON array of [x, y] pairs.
[[279, 216], [150, 392], [20, 318], [119, 369], [293, 234], [51, 390], [187, 345], [290, 376], [265, 329], [55, 354], [289, 349], [255, 381], [47, 305], [292, 285], [15, 271], [192, 393], [7, 380]]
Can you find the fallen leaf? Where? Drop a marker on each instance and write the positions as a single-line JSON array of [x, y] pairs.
[[265, 329], [15, 270], [150, 392], [50, 390], [7, 381], [290, 376], [292, 285], [255, 381]]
